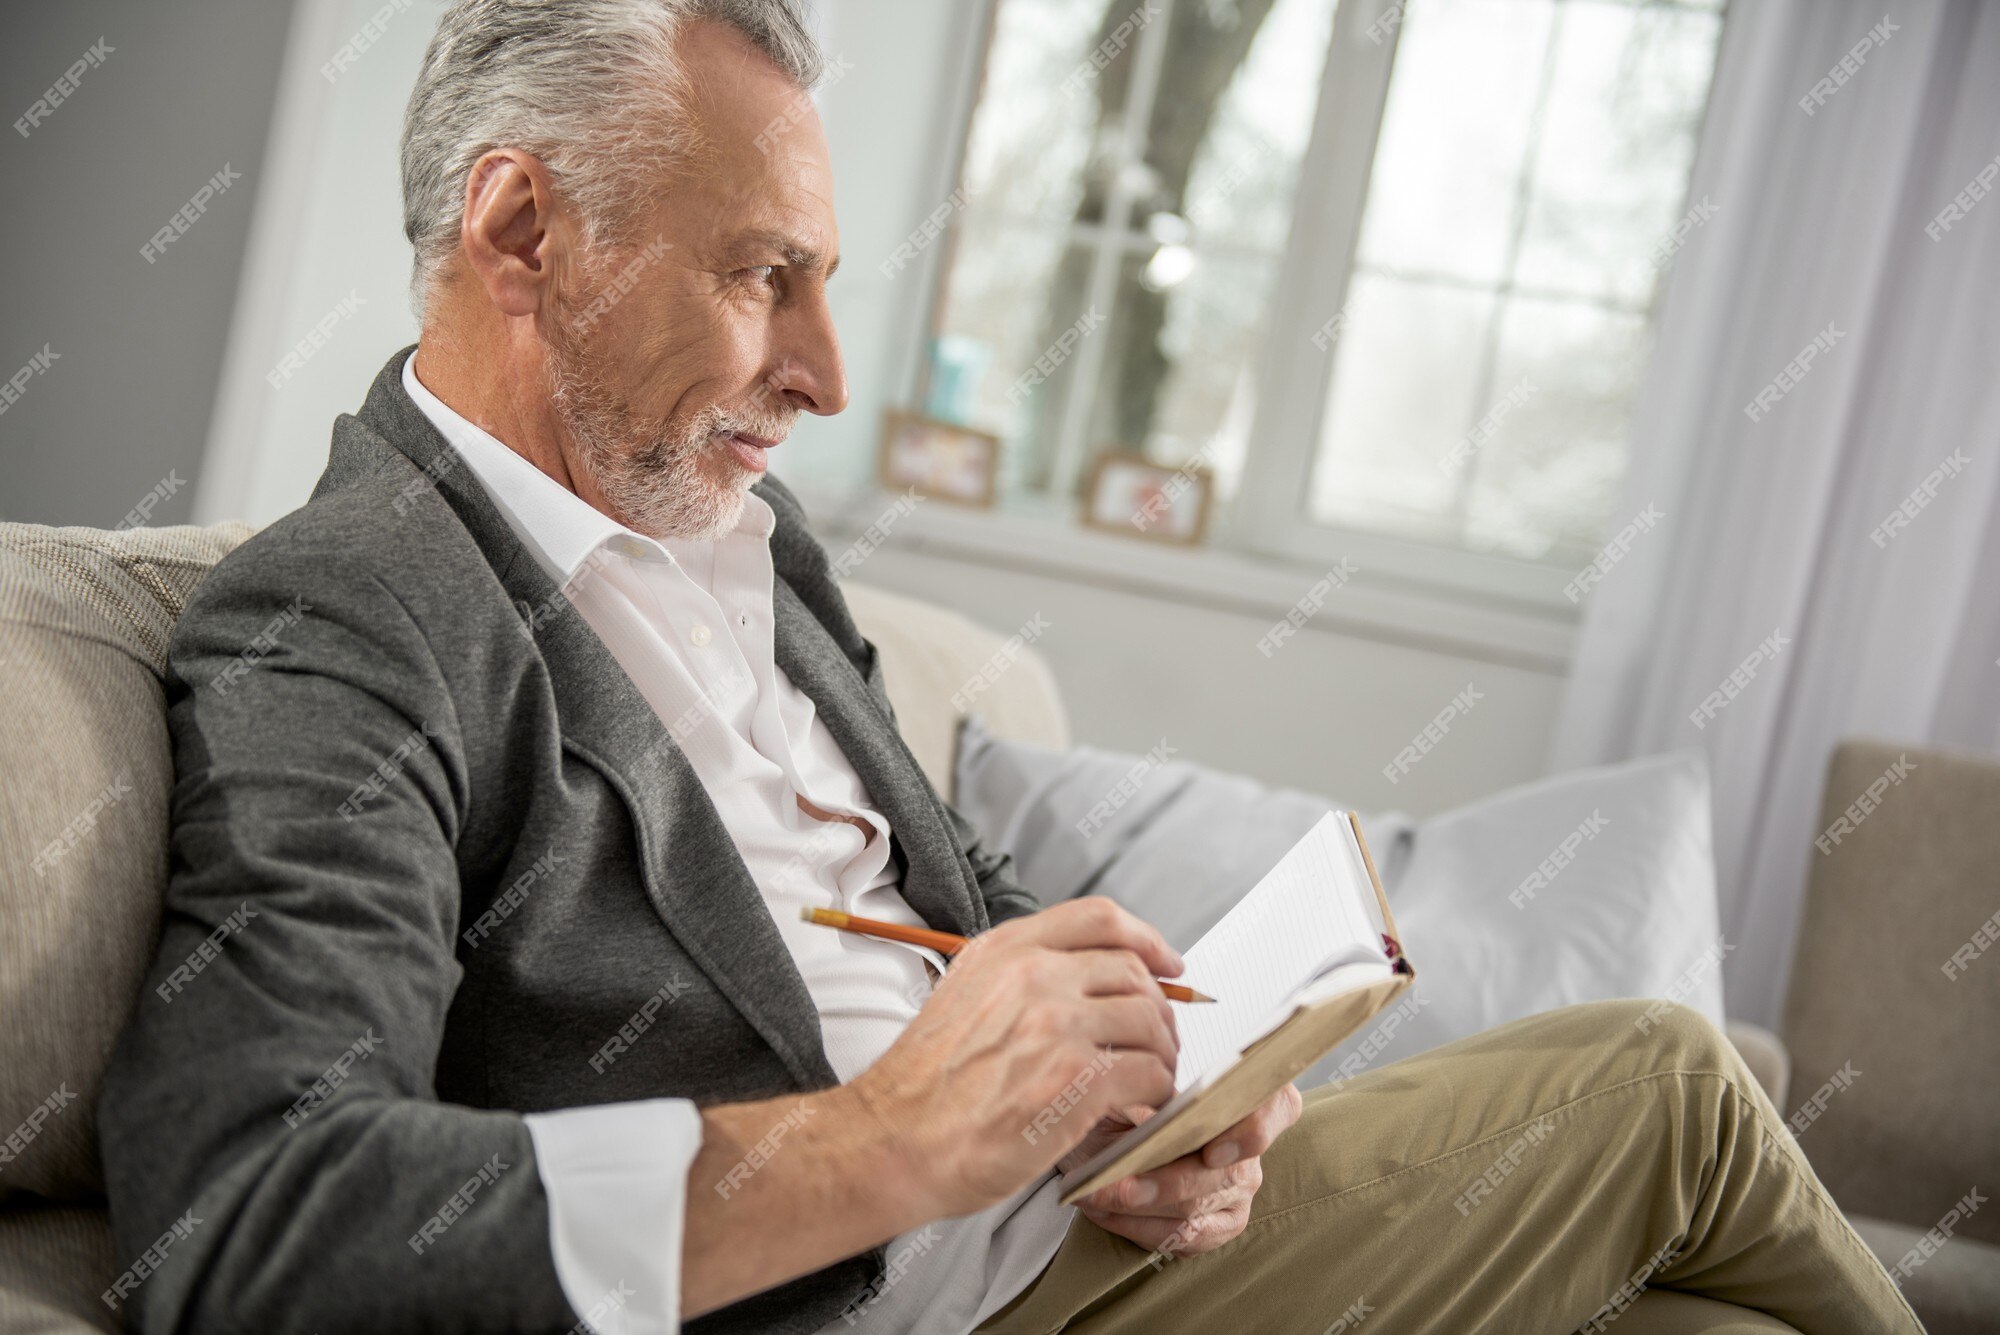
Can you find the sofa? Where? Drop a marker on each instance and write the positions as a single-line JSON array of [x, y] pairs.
[[85, 617]]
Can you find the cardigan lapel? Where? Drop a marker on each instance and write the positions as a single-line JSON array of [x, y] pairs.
[[934, 882]]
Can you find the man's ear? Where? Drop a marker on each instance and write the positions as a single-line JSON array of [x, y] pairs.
[[514, 237]]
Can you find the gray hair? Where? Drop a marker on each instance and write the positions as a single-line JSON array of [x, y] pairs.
[[592, 88]]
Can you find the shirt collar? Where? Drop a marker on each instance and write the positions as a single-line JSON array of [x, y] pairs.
[[559, 527]]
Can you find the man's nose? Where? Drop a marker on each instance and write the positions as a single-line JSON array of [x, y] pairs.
[[810, 373]]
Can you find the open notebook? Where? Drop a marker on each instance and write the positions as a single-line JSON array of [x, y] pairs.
[[1300, 963]]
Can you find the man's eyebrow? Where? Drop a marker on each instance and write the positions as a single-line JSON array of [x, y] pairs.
[[795, 253]]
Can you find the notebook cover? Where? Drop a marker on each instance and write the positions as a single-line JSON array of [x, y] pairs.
[[1310, 1033]]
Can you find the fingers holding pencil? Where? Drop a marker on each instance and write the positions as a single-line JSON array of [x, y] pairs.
[[1141, 941]]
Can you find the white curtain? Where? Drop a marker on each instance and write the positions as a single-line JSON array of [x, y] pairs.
[[1778, 525]]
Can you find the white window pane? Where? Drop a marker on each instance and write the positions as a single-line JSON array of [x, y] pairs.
[[1544, 486], [1030, 140], [1617, 141], [1404, 393], [1455, 136]]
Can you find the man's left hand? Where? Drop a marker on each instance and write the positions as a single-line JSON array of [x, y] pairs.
[[1197, 1202]]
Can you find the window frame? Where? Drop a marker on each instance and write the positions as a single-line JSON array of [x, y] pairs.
[[1267, 517]]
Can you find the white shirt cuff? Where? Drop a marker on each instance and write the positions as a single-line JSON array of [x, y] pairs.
[[616, 1179]]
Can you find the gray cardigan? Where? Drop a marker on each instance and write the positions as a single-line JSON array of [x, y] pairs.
[[434, 734]]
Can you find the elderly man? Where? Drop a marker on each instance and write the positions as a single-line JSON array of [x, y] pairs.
[[525, 1031]]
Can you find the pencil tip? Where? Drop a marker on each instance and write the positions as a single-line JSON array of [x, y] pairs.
[[1202, 996]]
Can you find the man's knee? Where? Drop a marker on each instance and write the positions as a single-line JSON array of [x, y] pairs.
[[1680, 1037]]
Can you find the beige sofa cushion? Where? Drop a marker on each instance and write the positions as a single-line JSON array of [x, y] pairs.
[[930, 655], [1888, 981], [54, 1262], [84, 620]]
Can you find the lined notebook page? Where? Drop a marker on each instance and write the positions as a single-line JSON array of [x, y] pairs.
[[1314, 908]]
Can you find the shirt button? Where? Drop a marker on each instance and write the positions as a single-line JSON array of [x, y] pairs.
[[700, 636], [742, 618]]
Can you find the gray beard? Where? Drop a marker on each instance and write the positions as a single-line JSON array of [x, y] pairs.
[[654, 475]]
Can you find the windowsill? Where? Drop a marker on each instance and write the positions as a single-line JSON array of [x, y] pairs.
[[1371, 605]]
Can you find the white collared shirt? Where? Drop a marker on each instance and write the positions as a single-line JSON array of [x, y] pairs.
[[692, 624]]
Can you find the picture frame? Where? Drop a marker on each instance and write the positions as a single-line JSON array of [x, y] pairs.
[[947, 461], [1129, 494]]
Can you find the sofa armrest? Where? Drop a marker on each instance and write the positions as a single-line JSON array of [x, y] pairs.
[[1764, 1053]]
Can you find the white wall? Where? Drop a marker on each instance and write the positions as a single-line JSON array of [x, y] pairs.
[[1326, 714]]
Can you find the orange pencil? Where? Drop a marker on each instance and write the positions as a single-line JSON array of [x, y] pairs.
[[946, 943]]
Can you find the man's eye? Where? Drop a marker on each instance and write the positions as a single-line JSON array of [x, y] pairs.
[[762, 274]]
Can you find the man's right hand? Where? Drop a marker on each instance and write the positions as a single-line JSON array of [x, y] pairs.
[[1041, 1027]]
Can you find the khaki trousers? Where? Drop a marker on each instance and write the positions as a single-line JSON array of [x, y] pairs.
[[1537, 1178]]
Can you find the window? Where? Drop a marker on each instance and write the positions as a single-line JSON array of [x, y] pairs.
[[1388, 270]]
